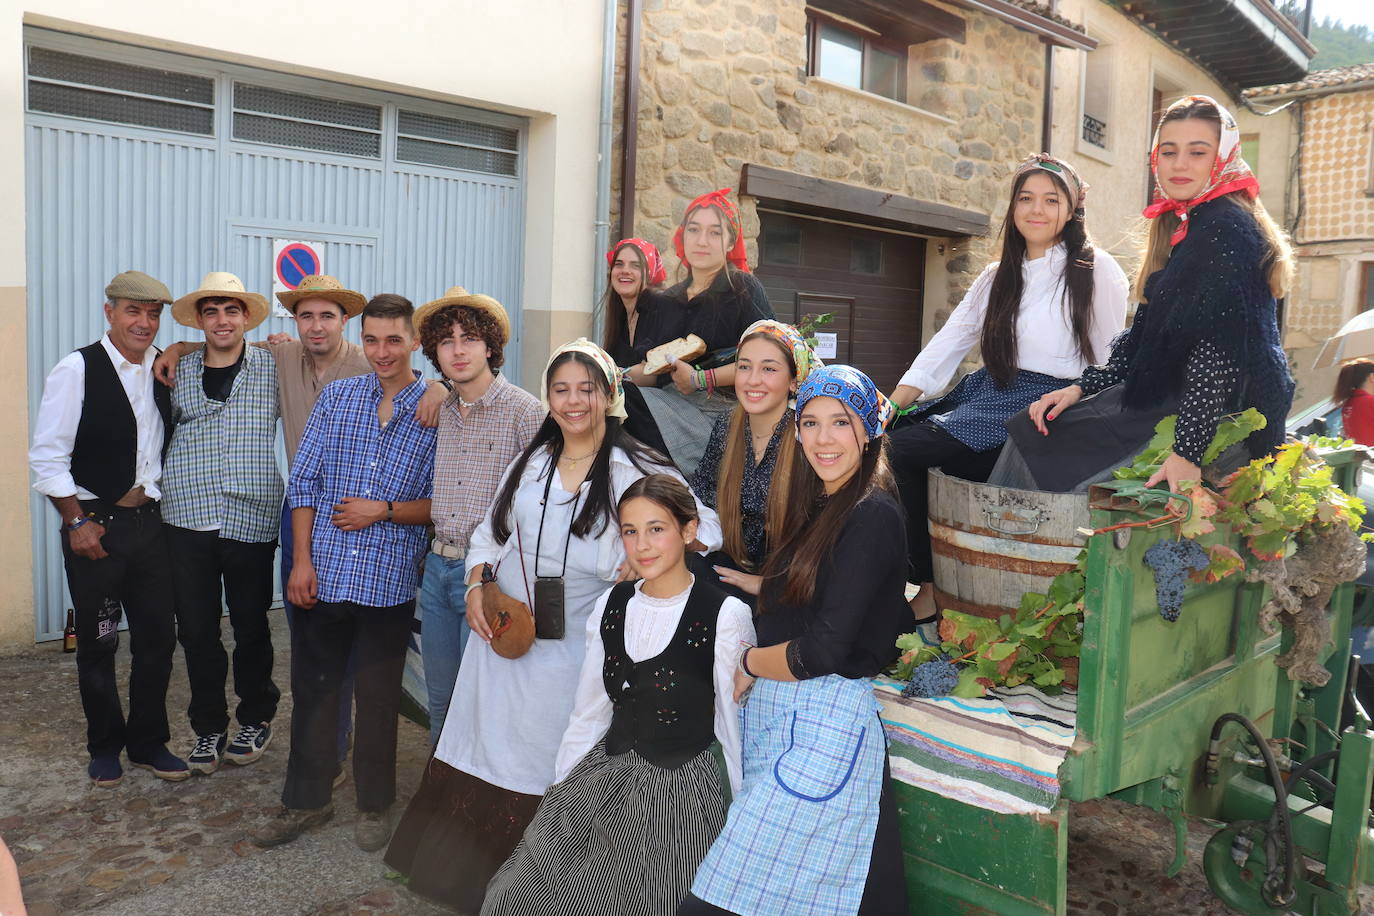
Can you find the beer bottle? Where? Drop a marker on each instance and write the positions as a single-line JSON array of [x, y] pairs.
[[69, 634]]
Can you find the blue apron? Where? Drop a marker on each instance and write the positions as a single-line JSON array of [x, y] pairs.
[[975, 411], [799, 836]]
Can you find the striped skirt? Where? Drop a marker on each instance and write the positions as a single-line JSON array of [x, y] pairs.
[[619, 837]]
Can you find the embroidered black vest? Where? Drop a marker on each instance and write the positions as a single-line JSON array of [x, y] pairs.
[[664, 706], [106, 447]]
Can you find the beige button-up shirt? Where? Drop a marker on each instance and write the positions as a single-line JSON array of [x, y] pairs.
[[300, 388]]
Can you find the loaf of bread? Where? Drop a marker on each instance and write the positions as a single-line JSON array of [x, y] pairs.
[[660, 358]]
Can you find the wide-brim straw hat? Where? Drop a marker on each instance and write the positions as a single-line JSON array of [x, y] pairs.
[[219, 283], [456, 295], [323, 286]]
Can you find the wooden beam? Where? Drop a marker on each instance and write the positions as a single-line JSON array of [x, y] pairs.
[[820, 196], [1048, 29], [909, 22]]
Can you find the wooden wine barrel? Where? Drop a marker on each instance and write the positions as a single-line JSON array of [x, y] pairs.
[[990, 545]]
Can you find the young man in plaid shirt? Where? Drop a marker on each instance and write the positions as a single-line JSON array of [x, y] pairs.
[[484, 424], [221, 503], [360, 500]]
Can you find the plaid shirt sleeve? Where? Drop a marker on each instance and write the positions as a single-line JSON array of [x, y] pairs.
[[305, 470]]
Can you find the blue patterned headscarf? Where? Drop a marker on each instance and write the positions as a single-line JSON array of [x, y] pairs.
[[852, 388]]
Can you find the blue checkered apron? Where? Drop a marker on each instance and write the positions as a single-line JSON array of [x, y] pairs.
[[799, 835], [976, 411]]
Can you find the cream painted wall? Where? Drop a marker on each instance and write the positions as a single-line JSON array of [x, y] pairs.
[[1137, 62], [536, 58]]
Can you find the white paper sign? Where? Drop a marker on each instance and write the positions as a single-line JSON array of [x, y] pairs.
[[826, 344]]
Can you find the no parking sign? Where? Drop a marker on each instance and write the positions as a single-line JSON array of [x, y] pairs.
[[292, 261]]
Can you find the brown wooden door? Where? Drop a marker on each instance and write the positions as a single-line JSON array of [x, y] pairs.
[[872, 281]]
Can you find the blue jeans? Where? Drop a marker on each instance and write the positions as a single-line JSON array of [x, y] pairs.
[[443, 633], [288, 559]]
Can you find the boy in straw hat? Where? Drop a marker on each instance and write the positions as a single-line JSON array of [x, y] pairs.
[[321, 307], [485, 423], [97, 455], [222, 499]]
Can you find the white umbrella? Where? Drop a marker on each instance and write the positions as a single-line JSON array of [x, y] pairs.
[[1353, 340]]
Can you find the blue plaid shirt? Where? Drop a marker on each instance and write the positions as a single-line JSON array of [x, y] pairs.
[[346, 452]]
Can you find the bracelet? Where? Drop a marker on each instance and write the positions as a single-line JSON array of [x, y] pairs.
[[700, 378], [744, 663], [390, 511], [710, 381], [470, 588], [78, 522]]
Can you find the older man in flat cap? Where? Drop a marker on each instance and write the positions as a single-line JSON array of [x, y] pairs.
[[98, 444]]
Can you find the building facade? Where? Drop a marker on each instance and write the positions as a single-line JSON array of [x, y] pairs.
[[1327, 120], [411, 148]]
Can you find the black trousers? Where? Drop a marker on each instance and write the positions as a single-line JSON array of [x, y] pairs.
[[134, 581], [913, 449], [201, 561], [321, 642]]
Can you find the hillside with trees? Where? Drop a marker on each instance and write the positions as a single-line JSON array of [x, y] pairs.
[[1338, 45]]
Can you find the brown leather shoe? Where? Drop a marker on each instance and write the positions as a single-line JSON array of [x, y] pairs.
[[289, 823], [373, 830]]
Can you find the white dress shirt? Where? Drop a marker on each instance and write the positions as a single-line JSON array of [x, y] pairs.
[[649, 626], [59, 414], [1044, 334]]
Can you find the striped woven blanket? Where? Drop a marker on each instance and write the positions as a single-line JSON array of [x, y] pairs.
[[1001, 752]]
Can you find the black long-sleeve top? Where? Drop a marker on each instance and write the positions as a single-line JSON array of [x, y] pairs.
[[659, 316], [720, 313], [1208, 335], [850, 626]]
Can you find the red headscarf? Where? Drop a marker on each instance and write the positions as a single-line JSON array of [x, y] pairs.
[[654, 273], [1229, 172], [718, 199]]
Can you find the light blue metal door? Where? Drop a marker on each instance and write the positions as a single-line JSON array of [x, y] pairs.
[[137, 159]]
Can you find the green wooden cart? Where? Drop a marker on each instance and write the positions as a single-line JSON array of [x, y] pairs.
[[1151, 694]]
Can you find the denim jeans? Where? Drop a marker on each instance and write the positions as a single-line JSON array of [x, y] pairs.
[[345, 719], [443, 633]]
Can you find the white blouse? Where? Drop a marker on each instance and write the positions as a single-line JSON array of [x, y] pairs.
[[649, 626], [1044, 334]]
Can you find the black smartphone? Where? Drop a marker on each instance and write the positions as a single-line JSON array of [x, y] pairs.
[[549, 619]]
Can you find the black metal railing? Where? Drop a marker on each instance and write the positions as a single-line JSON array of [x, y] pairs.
[[1095, 131]]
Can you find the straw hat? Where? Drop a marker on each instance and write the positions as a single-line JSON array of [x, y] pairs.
[[323, 286], [220, 283], [456, 295]]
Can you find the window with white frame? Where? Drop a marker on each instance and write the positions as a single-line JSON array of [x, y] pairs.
[[1098, 85]]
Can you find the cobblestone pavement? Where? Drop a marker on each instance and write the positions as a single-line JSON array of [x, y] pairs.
[[148, 847]]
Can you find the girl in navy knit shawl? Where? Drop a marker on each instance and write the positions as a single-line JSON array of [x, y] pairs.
[[1205, 341]]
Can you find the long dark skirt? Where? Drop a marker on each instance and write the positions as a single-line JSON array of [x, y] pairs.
[[618, 837], [455, 834]]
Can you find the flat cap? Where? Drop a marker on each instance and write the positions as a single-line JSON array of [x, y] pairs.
[[138, 286]]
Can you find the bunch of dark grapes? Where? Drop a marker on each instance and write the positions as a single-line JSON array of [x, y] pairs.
[[933, 679], [1171, 562]]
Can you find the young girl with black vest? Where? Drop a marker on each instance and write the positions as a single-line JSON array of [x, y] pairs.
[[639, 797]]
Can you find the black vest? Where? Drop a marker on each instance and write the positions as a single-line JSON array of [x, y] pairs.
[[106, 447], [664, 706]]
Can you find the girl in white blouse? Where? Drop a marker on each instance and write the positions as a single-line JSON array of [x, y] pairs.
[[640, 793], [1041, 314]]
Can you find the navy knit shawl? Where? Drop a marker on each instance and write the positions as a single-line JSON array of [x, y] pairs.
[[1213, 288]]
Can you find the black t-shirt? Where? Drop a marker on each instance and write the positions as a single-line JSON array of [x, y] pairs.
[[217, 382], [719, 315], [658, 320], [850, 626]]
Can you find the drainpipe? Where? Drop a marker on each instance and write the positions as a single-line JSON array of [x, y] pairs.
[[1047, 127], [629, 120], [602, 223]]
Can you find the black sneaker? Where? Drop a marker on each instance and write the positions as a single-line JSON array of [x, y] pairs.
[[205, 756], [163, 763], [105, 772], [249, 744]]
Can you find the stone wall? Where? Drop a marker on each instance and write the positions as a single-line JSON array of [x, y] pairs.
[[723, 83]]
